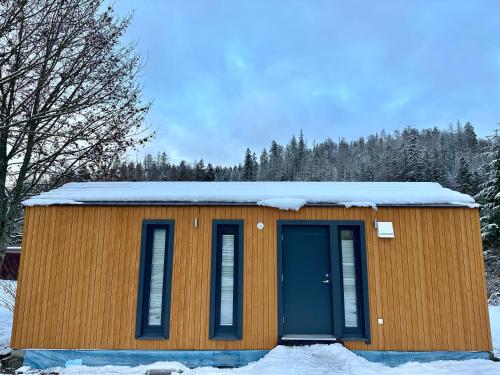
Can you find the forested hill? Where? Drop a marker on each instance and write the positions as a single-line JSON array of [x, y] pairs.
[[453, 157]]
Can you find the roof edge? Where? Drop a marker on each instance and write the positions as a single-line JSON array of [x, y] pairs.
[[221, 203]]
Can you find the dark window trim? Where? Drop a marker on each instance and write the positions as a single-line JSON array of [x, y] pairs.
[[234, 332], [359, 245], [143, 331], [361, 333]]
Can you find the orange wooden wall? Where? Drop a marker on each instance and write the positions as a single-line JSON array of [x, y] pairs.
[[79, 277]]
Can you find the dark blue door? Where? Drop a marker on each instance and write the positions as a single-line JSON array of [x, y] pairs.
[[307, 297]]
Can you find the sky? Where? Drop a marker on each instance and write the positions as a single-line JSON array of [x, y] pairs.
[[226, 75]]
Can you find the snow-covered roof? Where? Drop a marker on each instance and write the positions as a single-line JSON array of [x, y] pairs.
[[283, 195]]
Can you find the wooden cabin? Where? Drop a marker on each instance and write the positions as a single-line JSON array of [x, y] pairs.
[[221, 272]]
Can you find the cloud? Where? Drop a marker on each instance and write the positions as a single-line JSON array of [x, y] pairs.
[[228, 75]]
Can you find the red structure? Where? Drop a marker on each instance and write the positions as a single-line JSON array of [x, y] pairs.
[[10, 266]]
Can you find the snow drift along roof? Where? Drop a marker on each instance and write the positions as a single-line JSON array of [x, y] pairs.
[[283, 195]]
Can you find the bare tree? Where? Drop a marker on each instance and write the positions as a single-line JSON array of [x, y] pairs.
[[8, 294], [69, 97]]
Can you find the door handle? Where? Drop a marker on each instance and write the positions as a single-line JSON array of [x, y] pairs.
[[327, 281]]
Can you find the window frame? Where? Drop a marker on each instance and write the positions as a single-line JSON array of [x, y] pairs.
[[362, 332], [217, 331], [359, 330], [143, 329]]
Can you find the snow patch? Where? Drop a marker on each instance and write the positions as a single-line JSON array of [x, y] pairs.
[[495, 329], [283, 203], [275, 194], [48, 202], [359, 204], [6, 317], [175, 367], [470, 205]]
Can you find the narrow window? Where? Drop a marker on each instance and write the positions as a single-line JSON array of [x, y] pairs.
[[157, 275], [227, 279], [349, 278], [227, 283], [354, 283], [153, 307]]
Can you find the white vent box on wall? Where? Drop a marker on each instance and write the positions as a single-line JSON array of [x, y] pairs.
[[385, 229]]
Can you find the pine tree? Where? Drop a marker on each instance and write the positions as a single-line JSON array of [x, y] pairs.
[[220, 174], [392, 163], [489, 197], [150, 168], [114, 171], [131, 171], [291, 159], [263, 166], [249, 166], [459, 136], [414, 163], [343, 164], [210, 174], [139, 172], [470, 137], [255, 167], [275, 162], [465, 180], [123, 172], [199, 171], [183, 172], [300, 159], [173, 174], [436, 171], [163, 166], [428, 161]]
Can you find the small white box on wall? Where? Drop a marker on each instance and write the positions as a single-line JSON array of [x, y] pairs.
[[385, 229]]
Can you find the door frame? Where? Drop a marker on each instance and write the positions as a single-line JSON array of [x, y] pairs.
[[337, 297]]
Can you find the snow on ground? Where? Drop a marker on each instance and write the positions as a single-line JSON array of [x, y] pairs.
[[495, 329], [5, 328], [5, 320], [305, 360], [282, 195]]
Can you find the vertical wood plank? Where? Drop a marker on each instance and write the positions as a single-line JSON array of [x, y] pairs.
[[427, 283]]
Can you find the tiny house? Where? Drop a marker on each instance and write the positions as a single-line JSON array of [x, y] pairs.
[[219, 273]]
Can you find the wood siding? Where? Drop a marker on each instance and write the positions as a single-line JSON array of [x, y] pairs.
[[79, 277]]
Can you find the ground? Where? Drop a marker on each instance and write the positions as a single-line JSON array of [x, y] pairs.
[[308, 360], [5, 328], [5, 314]]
